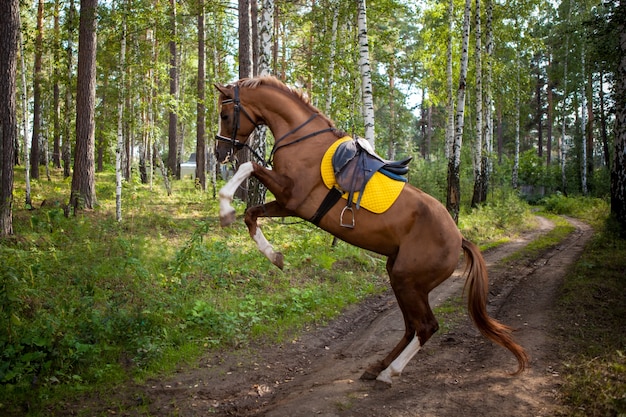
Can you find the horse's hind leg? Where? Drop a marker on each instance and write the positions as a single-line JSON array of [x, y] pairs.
[[420, 325]]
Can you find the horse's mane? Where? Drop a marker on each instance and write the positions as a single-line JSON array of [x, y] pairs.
[[271, 81]]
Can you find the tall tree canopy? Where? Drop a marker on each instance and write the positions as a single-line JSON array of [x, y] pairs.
[[539, 103]]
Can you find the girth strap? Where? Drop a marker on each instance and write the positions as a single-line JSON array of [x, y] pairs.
[[334, 194]]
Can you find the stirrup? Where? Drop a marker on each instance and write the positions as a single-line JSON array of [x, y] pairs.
[[341, 222]]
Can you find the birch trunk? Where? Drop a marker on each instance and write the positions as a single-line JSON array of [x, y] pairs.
[[201, 150], [331, 64], [583, 162], [172, 157], [450, 103], [120, 120], [37, 78], [515, 173], [25, 126], [453, 200], [563, 147], [366, 74], [478, 144], [486, 164], [66, 148]]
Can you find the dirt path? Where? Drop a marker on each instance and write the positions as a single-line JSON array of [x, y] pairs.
[[457, 373]]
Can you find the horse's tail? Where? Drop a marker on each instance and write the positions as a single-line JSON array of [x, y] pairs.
[[478, 283]]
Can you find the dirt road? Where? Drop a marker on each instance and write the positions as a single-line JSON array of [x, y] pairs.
[[457, 373]]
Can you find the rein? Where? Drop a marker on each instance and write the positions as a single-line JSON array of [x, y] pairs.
[[236, 144]]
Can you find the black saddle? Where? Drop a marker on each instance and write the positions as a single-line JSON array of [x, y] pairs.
[[354, 164]]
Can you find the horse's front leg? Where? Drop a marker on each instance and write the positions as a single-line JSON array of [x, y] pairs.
[[272, 209], [226, 194]]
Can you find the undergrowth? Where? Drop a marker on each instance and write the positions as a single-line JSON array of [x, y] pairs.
[[87, 302]]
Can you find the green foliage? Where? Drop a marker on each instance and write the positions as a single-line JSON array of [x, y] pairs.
[[504, 215], [86, 300], [592, 210]]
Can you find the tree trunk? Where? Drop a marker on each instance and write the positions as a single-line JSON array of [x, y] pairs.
[[83, 193], [618, 172], [366, 74], [330, 78], [486, 163], [562, 147], [590, 123], [37, 76], [603, 130], [478, 145], [201, 151], [453, 200], [56, 144], [173, 157], [583, 148], [449, 83], [9, 29], [119, 148], [538, 87], [25, 126], [66, 148], [515, 173], [245, 71], [550, 117]]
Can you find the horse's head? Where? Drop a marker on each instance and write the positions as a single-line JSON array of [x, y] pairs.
[[235, 125]]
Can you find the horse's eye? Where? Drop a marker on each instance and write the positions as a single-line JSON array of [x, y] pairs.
[[224, 116]]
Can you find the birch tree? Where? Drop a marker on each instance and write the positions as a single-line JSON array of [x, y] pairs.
[[37, 78], [453, 200], [172, 156], [66, 149], [120, 118], [563, 145], [486, 164], [366, 74], [201, 150], [449, 84], [25, 126], [478, 144]]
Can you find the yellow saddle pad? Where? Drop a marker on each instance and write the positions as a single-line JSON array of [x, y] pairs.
[[380, 192]]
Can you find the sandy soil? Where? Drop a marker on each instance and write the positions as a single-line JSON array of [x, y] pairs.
[[457, 373]]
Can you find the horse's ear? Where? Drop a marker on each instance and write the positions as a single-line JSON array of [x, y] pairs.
[[222, 89]]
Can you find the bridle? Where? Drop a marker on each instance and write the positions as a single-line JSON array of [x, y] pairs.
[[234, 143], [237, 145]]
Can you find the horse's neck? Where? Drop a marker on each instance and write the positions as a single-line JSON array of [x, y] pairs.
[[283, 114]]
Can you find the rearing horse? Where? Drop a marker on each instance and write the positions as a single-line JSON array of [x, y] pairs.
[[416, 234]]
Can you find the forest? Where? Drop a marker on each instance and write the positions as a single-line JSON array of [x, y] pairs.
[[102, 102]]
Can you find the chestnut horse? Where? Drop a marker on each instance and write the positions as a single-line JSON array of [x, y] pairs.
[[416, 234]]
